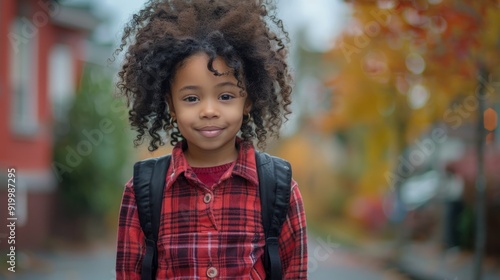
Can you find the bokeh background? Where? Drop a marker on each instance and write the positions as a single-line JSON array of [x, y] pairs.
[[394, 138]]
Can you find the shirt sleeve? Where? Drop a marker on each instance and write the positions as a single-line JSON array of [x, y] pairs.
[[130, 241], [293, 238]]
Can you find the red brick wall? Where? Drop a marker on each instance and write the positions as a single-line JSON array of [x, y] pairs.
[[34, 152], [37, 230]]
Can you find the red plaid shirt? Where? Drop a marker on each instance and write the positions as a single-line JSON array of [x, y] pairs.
[[211, 233]]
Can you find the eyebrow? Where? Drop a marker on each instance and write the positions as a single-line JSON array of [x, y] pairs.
[[224, 84], [219, 85]]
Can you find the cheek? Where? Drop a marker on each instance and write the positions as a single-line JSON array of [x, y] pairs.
[[236, 115], [184, 119], [183, 127]]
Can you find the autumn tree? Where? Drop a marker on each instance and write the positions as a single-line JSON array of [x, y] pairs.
[[403, 68]]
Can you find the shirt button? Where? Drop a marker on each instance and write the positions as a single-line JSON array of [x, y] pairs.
[[212, 272], [207, 198]]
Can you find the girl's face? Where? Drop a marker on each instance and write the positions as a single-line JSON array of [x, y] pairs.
[[209, 109]]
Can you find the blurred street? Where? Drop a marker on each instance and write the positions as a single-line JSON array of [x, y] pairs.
[[95, 262], [326, 261], [329, 261]]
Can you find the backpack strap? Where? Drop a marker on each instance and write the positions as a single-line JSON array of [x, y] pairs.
[[275, 176], [149, 182]]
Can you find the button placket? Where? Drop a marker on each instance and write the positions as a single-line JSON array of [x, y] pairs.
[[208, 197]]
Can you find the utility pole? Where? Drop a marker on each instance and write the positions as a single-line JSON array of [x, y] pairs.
[[480, 239]]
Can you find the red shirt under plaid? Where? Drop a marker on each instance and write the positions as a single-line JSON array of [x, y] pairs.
[[211, 233]]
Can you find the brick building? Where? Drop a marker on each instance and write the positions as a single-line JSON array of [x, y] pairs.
[[42, 50]]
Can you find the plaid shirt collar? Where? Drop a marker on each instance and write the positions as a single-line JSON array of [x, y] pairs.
[[244, 166]]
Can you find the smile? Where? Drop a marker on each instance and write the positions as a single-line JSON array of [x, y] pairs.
[[210, 131]]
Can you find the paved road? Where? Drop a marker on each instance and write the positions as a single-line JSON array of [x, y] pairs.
[[327, 261], [95, 264]]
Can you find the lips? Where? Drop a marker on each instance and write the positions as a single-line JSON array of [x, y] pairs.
[[210, 131]]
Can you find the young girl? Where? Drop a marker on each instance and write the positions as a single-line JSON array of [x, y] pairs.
[[213, 76]]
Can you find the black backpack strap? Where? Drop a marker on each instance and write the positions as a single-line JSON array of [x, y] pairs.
[[275, 176], [149, 182]]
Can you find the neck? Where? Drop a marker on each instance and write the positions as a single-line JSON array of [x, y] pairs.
[[202, 158]]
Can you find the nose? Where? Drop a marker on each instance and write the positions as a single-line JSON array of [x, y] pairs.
[[209, 109]]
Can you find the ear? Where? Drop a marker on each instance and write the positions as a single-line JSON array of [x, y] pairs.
[[170, 104], [247, 107]]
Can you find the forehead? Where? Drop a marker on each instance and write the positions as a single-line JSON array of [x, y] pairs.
[[196, 68]]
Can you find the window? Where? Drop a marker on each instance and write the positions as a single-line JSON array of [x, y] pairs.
[[61, 80], [24, 78]]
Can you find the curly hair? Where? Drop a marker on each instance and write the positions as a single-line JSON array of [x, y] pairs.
[[166, 32]]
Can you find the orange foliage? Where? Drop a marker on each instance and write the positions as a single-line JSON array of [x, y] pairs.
[[400, 65], [490, 119]]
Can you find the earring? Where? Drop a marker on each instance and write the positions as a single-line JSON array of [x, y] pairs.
[[246, 118]]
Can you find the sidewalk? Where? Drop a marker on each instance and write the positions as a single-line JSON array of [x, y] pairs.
[[425, 261], [418, 261], [327, 261], [97, 262]]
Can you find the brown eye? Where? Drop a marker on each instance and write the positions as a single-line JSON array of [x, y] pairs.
[[190, 99], [226, 96]]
